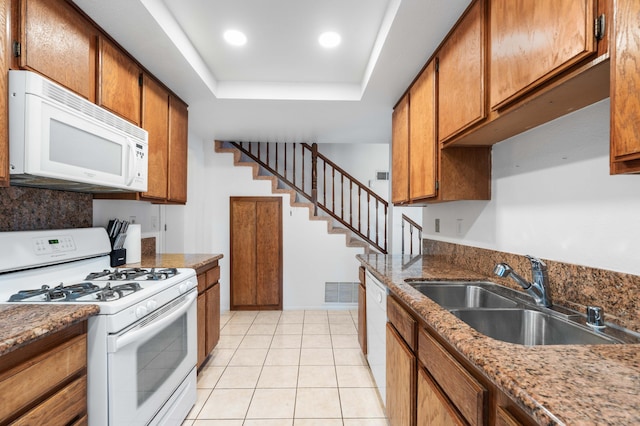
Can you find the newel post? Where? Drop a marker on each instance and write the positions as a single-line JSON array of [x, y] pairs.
[[314, 177]]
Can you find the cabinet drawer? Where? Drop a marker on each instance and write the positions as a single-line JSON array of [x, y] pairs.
[[213, 276], [65, 406], [35, 378], [464, 391], [402, 321]]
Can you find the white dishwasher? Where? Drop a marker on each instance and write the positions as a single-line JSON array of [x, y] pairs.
[[376, 331]]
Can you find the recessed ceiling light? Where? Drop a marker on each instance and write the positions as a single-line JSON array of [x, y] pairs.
[[329, 39], [235, 38]]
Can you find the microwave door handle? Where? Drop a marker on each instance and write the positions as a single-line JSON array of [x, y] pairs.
[[132, 161], [131, 337]]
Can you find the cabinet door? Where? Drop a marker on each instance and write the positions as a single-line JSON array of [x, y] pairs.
[[213, 317], [59, 43], [202, 328], [5, 8], [269, 248], [400, 152], [625, 86], [178, 150], [119, 87], [155, 120], [461, 74], [532, 41], [362, 318], [434, 409], [401, 380], [423, 145]]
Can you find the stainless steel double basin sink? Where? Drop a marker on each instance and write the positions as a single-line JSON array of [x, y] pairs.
[[511, 316]]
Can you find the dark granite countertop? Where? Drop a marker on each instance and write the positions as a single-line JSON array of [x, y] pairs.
[[24, 323], [570, 384], [176, 260]]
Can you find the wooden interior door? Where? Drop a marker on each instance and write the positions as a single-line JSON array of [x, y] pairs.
[[256, 253]]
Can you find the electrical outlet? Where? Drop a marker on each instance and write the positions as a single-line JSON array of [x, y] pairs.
[[437, 225], [154, 222]]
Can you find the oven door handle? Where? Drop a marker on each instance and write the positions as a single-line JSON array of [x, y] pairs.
[[128, 338]]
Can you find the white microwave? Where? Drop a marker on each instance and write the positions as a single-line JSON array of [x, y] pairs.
[[60, 140]]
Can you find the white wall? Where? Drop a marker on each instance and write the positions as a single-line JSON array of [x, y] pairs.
[[148, 215], [553, 197], [360, 160]]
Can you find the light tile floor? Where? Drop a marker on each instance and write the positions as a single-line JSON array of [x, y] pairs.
[[294, 368]]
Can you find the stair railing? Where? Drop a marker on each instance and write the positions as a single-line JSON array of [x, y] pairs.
[[325, 184], [411, 225]]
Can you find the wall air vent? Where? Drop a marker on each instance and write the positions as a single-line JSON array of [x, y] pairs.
[[341, 292], [382, 175]]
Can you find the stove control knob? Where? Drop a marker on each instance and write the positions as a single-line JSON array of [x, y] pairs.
[[151, 305], [141, 311], [184, 287]]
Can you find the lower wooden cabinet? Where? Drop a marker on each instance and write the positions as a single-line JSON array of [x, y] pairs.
[[208, 311], [433, 406], [430, 383], [362, 312], [401, 380], [45, 382], [464, 393]]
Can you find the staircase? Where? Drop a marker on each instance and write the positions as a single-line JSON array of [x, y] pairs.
[[315, 182]]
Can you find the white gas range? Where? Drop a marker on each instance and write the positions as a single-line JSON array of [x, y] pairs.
[[142, 344]]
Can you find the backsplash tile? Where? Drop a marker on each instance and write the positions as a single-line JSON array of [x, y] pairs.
[[27, 209], [573, 286], [148, 246]]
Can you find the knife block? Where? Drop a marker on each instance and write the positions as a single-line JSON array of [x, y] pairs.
[[118, 257]]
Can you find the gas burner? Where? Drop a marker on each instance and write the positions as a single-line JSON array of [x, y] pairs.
[[109, 293], [80, 289], [96, 275], [161, 274], [128, 274]]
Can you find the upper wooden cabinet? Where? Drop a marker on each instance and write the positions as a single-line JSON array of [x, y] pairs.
[[423, 171], [177, 150], [59, 43], [400, 152], [461, 74], [119, 88], [4, 83], [423, 144], [155, 120], [625, 86], [533, 41]]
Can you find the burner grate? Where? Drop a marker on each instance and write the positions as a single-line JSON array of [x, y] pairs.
[[57, 293], [109, 293]]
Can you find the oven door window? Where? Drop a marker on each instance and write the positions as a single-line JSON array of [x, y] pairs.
[[148, 361]]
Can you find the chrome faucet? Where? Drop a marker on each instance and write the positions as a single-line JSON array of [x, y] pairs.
[[539, 288]]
